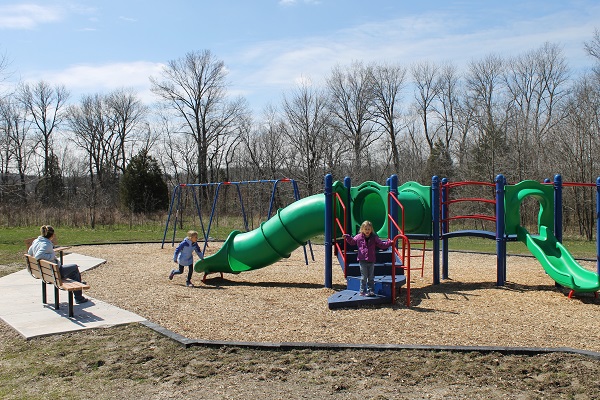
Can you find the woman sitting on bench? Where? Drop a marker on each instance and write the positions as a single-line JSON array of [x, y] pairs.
[[43, 248]]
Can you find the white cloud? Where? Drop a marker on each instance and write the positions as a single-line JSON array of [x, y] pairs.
[[27, 16], [90, 79], [279, 65], [287, 3], [434, 37]]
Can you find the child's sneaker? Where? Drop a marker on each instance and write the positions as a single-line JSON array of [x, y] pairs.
[[362, 294], [171, 275], [370, 294], [189, 284]]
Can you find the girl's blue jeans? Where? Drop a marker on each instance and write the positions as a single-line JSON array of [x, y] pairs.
[[367, 276], [182, 268]]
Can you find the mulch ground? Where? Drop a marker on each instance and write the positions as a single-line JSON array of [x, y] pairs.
[[287, 302]]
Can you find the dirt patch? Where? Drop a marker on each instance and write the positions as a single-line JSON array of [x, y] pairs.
[[134, 361]]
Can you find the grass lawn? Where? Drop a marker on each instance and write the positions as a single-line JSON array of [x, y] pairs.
[[12, 239]]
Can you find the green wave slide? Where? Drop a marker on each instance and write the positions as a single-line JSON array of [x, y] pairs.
[[275, 239], [558, 263]]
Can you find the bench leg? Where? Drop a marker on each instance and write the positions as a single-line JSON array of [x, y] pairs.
[[70, 304], [44, 293], [56, 298]]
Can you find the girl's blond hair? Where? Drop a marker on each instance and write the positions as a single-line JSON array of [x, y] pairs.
[[366, 224], [190, 234]]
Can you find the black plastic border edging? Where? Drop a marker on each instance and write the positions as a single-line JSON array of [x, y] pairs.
[[528, 351]]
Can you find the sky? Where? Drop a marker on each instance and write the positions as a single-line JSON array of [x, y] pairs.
[[269, 46]]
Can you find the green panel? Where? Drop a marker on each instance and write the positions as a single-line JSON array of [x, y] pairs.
[[416, 200], [369, 202], [514, 195]]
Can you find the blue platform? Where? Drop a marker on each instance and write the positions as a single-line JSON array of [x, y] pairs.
[[351, 298], [383, 281], [383, 284]]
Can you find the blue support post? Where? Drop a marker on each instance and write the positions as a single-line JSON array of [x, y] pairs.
[[175, 190], [445, 228], [558, 213], [199, 212], [500, 232], [176, 215], [435, 211], [598, 225], [212, 214], [272, 199], [328, 231]]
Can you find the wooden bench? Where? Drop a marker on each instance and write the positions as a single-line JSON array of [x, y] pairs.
[[34, 270], [49, 273]]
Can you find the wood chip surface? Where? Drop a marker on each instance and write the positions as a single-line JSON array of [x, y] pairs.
[[287, 302]]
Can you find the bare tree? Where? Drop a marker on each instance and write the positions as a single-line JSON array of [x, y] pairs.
[[307, 123], [535, 82], [178, 152], [94, 134], [449, 102], [17, 146], [46, 106], [195, 87], [484, 91], [578, 139], [426, 79], [3, 68], [228, 128], [388, 83], [464, 124], [126, 112], [265, 145], [415, 150], [353, 107], [593, 49]]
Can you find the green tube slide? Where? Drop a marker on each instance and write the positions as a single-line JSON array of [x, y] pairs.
[[558, 263], [275, 239], [295, 224], [556, 260]]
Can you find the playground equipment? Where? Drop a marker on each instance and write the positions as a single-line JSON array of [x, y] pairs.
[[292, 226], [408, 213], [385, 207], [177, 192], [556, 260], [545, 246]]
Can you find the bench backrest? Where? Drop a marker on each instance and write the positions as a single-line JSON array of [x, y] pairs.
[[32, 266], [50, 272]]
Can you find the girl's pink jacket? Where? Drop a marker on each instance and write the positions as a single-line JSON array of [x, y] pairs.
[[366, 246]]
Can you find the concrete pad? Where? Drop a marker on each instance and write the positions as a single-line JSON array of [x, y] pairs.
[[84, 262], [21, 306]]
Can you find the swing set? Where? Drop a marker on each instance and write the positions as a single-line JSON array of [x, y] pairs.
[[176, 205]]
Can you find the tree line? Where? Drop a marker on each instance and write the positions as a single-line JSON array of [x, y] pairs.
[[527, 116]]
